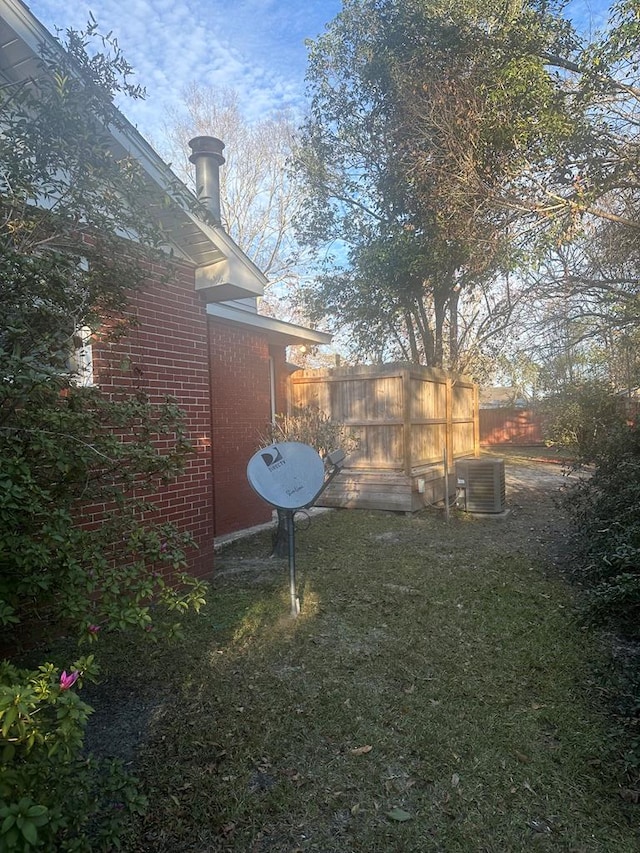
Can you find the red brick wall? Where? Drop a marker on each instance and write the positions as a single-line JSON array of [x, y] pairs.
[[166, 355], [241, 411]]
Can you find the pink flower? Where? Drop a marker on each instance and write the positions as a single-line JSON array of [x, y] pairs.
[[67, 681], [93, 629]]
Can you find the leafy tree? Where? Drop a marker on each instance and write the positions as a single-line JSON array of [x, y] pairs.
[[420, 119], [582, 316], [604, 170], [68, 203], [584, 295], [582, 418]]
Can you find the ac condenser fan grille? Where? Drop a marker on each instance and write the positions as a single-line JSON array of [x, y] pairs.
[[481, 485]]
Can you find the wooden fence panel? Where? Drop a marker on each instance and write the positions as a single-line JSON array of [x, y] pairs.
[[427, 443], [510, 426], [380, 447], [463, 439], [366, 400], [462, 400], [428, 398], [405, 418]]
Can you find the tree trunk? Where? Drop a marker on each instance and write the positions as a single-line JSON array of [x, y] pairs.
[[439, 312], [453, 329], [428, 342]]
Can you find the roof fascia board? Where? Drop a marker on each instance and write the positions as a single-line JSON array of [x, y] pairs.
[[27, 26], [277, 331]]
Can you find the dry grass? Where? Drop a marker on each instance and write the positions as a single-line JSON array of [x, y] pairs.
[[434, 695]]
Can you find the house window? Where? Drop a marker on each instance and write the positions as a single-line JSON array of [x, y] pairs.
[[81, 359]]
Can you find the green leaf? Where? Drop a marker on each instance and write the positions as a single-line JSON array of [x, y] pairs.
[[9, 719], [36, 811], [399, 815], [7, 823], [30, 832]]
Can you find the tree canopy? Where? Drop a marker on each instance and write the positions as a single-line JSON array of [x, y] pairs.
[[471, 140]]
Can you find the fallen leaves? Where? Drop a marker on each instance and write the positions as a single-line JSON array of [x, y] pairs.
[[398, 815], [399, 784], [630, 796], [361, 750], [293, 775]]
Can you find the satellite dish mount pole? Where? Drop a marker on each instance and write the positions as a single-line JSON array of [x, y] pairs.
[[291, 536], [291, 476]]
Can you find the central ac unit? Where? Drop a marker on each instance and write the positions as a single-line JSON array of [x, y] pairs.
[[480, 485]]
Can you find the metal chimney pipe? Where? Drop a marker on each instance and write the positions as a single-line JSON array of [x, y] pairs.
[[207, 157]]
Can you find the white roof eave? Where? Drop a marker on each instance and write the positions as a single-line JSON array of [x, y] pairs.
[[223, 271], [277, 331]]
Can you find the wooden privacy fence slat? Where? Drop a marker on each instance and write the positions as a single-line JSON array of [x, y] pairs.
[[510, 426], [405, 418]]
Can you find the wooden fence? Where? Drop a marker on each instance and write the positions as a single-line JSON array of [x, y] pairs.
[[510, 426], [405, 418]]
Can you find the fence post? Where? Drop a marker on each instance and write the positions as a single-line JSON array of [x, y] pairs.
[[449, 418], [476, 420], [406, 418]]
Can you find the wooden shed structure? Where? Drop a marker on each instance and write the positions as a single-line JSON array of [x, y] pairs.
[[405, 418]]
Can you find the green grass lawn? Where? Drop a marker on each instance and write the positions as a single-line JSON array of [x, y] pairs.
[[435, 694]]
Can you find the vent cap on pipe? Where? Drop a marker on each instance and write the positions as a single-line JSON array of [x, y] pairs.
[[207, 157]]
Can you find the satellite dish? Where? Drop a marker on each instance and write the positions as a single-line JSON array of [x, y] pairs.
[[288, 475]]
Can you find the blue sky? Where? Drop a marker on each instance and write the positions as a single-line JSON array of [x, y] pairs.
[[255, 47]]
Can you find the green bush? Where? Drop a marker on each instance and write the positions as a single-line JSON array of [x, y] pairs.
[[66, 268], [581, 419], [51, 796], [605, 508]]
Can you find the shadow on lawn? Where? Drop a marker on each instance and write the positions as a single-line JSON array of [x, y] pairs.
[[135, 688]]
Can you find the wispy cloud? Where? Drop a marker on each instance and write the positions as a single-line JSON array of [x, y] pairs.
[[255, 47]]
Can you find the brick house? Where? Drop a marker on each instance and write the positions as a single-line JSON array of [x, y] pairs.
[[199, 337]]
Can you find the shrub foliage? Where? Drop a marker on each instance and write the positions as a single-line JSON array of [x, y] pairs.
[[605, 508], [67, 203], [604, 503]]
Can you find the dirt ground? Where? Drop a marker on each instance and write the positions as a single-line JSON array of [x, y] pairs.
[[535, 480]]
